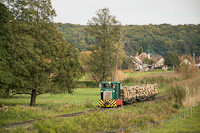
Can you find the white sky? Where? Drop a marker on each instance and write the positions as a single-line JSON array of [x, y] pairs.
[[137, 12]]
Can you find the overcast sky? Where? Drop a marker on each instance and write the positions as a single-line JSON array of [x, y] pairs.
[[136, 12]]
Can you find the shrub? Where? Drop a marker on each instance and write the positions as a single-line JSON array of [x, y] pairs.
[[187, 67], [169, 68], [177, 91]]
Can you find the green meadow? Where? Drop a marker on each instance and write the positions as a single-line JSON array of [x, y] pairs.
[[79, 96], [16, 109]]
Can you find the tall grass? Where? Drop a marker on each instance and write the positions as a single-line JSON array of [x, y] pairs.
[[192, 90], [186, 92]]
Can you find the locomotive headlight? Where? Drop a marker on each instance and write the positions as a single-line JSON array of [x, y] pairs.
[[101, 90], [113, 90]]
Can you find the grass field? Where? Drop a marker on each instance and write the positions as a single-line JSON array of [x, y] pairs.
[[115, 118], [47, 105], [118, 118], [140, 74], [16, 109], [79, 96]]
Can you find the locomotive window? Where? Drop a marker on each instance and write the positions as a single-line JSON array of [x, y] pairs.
[[106, 86], [113, 86]]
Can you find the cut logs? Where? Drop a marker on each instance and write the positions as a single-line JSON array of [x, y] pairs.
[[139, 92]]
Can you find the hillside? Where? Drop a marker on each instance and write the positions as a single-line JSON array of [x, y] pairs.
[[184, 39]]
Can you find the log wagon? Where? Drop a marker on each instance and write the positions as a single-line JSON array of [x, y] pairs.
[[113, 94]]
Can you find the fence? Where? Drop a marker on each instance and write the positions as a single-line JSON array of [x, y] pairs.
[[184, 115]]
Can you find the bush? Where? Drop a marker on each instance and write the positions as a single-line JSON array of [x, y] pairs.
[[177, 91], [87, 84], [2, 93], [169, 68]]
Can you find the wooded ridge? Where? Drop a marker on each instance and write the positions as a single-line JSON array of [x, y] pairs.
[[183, 39]]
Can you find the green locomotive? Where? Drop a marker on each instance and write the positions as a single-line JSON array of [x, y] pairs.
[[113, 94]]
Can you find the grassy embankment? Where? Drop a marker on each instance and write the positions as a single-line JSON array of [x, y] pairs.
[[187, 122], [107, 120]]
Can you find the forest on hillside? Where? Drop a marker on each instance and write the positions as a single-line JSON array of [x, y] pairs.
[[159, 39]]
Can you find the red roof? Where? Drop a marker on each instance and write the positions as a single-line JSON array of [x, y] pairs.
[[142, 56]]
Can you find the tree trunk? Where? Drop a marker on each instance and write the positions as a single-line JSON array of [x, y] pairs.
[[7, 92], [100, 84], [112, 75], [33, 98], [115, 72]]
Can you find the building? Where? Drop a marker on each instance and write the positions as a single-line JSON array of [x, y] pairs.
[[138, 61], [160, 63]]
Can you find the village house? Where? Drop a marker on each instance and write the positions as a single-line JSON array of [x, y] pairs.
[[138, 60], [160, 63], [139, 64], [186, 61]]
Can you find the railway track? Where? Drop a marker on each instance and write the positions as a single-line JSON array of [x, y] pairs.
[[72, 114]]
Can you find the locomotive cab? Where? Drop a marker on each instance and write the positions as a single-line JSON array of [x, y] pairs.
[[111, 94]]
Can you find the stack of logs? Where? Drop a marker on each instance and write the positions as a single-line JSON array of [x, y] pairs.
[[140, 91]]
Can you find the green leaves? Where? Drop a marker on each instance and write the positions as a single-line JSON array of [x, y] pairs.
[[106, 29], [6, 76], [39, 56], [172, 59]]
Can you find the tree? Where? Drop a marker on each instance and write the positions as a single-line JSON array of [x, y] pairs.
[[184, 47], [141, 50], [41, 57], [127, 64], [119, 50], [6, 76], [184, 39], [84, 59], [106, 29], [172, 59], [149, 61]]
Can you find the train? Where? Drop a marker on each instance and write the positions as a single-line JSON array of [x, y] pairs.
[[113, 94]]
